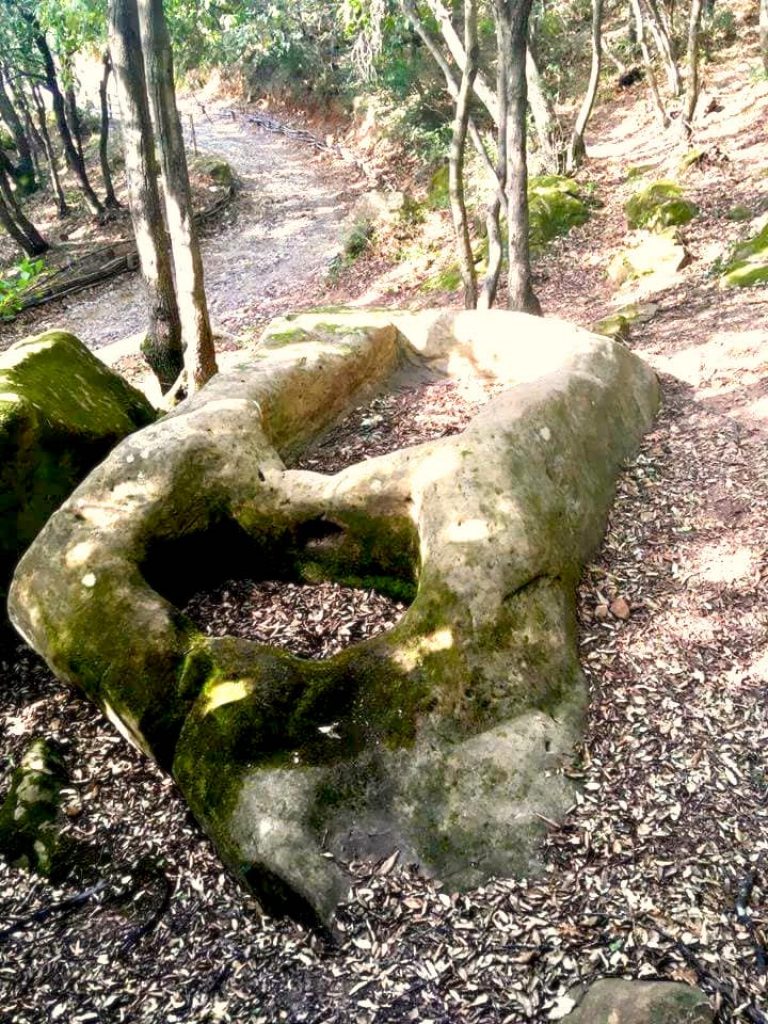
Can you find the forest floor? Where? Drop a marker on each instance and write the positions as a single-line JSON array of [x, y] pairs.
[[661, 868]]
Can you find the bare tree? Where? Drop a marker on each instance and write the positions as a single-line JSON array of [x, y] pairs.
[[576, 149], [24, 171], [110, 200], [456, 157], [162, 346], [650, 74], [15, 221], [50, 153], [199, 354], [692, 82]]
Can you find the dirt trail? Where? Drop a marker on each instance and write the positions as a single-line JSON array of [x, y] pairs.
[[276, 241]]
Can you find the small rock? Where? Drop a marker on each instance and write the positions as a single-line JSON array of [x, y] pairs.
[[601, 611], [620, 608], [73, 810]]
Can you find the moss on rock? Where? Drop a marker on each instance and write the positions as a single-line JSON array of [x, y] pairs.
[[61, 411], [555, 206], [748, 263], [658, 206], [29, 836]]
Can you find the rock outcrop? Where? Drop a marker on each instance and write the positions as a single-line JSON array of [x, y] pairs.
[[61, 411], [616, 1001], [443, 737]]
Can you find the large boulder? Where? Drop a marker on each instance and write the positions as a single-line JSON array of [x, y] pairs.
[[441, 738], [61, 411], [617, 1001]]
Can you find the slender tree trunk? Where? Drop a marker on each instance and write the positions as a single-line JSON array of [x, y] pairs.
[[50, 153], [512, 17], [498, 201], [73, 120], [576, 150], [660, 31], [110, 200], [456, 48], [692, 83], [650, 74], [52, 84], [21, 102], [24, 172], [545, 120], [763, 29], [162, 346], [199, 354], [26, 234], [456, 158]]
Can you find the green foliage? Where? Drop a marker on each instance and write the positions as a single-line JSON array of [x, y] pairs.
[[555, 206], [15, 283], [658, 206]]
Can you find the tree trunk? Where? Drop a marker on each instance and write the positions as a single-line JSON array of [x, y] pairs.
[[110, 200], [16, 222], [21, 102], [456, 48], [763, 29], [692, 83], [650, 74], [665, 44], [512, 18], [24, 172], [50, 153], [73, 120], [52, 84], [162, 347], [199, 354], [492, 219], [456, 158], [545, 120], [576, 150]]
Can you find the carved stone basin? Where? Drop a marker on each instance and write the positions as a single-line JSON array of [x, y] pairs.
[[442, 737]]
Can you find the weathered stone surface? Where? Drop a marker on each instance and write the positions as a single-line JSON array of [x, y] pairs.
[[29, 836], [659, 253], [61, 411], [748, 264], [615, 1001], [555, 206], [447, 732]]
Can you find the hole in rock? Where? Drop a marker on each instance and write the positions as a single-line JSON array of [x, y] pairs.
[[407, 416], [309, 620]]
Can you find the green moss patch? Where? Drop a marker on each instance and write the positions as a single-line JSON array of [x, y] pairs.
[[555, 205], [660, 205], [215, 168], [748, 264]]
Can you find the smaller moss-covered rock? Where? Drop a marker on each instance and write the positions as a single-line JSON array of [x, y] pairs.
[[748, 264], [555, 206], [659, 253], [618, 325], [739, 213], [214, 167], [616, 1001], [658, 206], [29, 837], [61, 411]]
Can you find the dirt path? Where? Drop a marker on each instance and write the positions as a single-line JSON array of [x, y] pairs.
[[274, 243]]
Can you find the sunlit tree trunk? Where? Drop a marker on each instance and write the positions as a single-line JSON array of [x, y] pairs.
[[162, 346], [52, 84], [650, 74], [576, 149], [498, 202], [73, 120], [763, 28], [692, 83], [659, 27], [50, 153], [110, 200], [512, 18], [545, 120], [456, 158], [199, 354]]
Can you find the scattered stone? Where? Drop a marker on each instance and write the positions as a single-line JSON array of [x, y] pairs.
[[748, 263], [659, 253], [601, 611], [616, 1001], [29, 837], [620, 608]]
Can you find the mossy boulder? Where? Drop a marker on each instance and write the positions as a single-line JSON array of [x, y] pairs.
[[214, 167], [29, 834], [616, 1001], [555, 205], [658, 206], [748, 263], [660, 253], [61, 412], [441, 738]]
